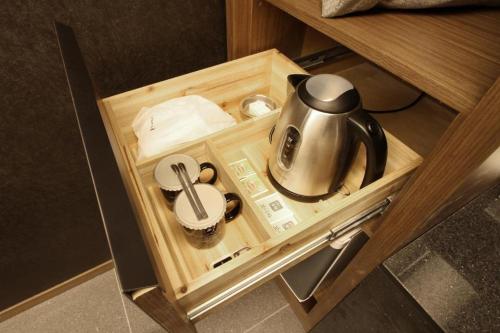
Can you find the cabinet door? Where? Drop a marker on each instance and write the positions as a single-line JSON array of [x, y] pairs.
[[132, 262], [127, 247]]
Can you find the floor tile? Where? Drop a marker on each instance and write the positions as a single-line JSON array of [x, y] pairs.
[[94, 306], [452, 270], [139, 321], [378, 304], [244, 312], [98, 306], [282, 321]]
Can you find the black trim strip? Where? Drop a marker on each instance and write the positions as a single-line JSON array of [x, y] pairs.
[[131, 259], [324, 56]]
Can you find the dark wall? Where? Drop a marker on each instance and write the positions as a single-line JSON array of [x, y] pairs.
[[50, 228]]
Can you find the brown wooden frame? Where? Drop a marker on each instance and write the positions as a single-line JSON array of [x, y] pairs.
[[470, 140], [467, 143], [472, 137], [179, 292]]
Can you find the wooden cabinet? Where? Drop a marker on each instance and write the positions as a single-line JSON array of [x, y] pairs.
[[177, 284], [187, 274], [450, 55]]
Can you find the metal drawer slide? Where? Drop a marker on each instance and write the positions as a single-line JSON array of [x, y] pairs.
[[275, 267]]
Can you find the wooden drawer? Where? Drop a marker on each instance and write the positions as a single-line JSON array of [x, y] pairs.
[[186, 274]]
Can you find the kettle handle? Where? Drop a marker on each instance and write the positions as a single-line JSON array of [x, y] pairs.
[[372, 135], [295, 79]]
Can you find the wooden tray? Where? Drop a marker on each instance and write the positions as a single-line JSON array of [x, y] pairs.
[[187, 274], [226, 85]]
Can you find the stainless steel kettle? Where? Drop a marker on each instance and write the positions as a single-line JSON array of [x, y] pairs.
[[317, 137]]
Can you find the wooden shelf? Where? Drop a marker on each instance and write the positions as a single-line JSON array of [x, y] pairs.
[[419, 127], [452, 55]]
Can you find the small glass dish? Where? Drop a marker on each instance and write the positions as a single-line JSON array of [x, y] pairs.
[[256, 105]]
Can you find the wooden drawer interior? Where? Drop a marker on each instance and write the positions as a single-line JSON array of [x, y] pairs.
[[190, 269], [191, 263], [226, 85], [255, 148], [187, 274]]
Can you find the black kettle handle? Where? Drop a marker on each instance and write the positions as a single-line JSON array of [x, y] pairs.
[[372, 135], [295, 79]]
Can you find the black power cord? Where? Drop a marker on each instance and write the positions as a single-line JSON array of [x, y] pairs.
[[401, 108]]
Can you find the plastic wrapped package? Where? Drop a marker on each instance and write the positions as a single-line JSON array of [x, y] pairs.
[[177, 121]]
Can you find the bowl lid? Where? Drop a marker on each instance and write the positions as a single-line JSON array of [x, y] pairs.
[[213, 201], [166, 177]]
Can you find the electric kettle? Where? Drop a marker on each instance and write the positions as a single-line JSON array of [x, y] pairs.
[[317, 136]]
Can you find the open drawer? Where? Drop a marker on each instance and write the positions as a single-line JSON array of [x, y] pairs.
[[189, 273], [190, 278]]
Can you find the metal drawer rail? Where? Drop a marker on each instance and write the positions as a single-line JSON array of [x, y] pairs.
[[279, 264]]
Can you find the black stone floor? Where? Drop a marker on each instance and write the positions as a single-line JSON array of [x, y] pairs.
[[378, 304], [446, 280], [453, 271]]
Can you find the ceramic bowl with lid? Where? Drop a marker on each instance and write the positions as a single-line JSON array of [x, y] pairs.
[[168, 181], [209, 231]]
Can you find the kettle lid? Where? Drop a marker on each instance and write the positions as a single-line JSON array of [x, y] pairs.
[[329, 93]]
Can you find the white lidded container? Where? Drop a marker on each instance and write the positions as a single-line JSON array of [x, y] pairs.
[[209, 231]]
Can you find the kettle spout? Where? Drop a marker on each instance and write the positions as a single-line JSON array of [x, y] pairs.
[[295, 79]]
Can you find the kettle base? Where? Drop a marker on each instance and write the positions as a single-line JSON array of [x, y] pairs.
[[296, 196]]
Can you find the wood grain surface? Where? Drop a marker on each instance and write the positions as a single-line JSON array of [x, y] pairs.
[[186, 274], [452, 55], [469, 141], [190, 271], [258, 26]]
